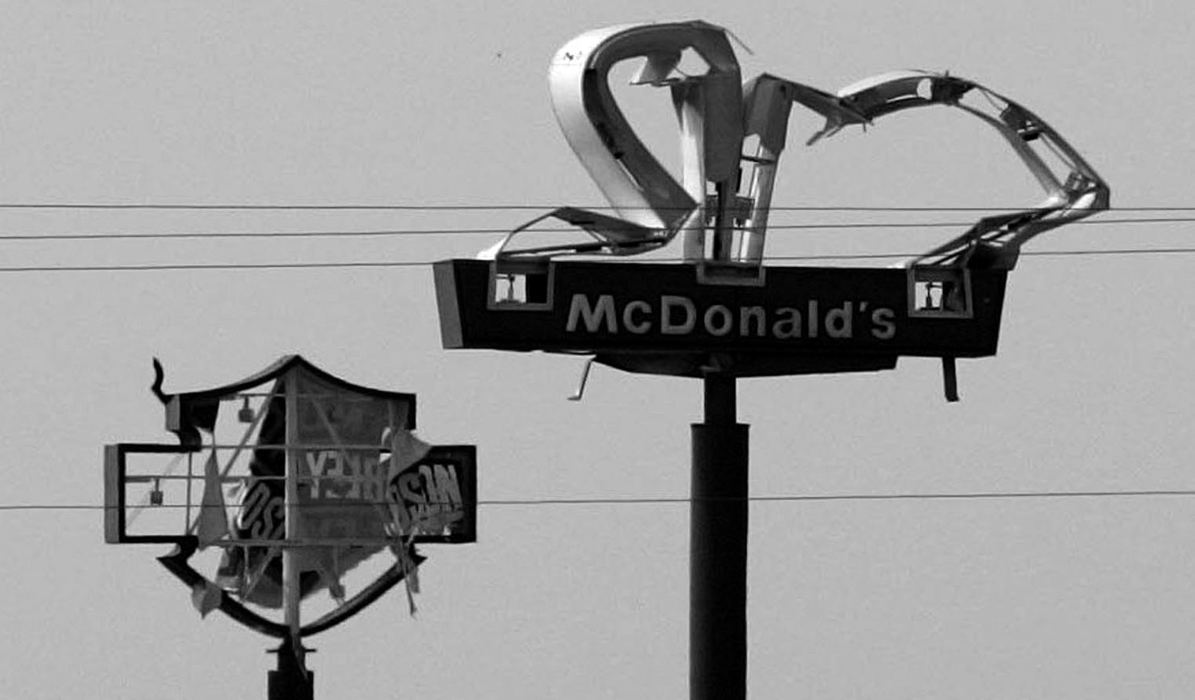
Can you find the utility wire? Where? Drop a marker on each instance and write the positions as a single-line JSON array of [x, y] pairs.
[[477, 231], [260, 234], [1034, 253], [416, 263], [214, 266], [485, 207], [519, 502]]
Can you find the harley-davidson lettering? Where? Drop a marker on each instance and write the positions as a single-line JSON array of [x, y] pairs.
[[681, 315], [424, 499], [427, 499]]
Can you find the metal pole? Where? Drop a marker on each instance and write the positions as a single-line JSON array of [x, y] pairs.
[[291, 681], [718, 549]]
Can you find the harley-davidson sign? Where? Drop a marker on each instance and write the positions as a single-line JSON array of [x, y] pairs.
[[314, 471]]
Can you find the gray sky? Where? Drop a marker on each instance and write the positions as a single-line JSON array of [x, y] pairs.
[[446, 103]]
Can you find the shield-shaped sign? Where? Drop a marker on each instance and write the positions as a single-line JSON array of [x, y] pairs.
[[297, 477]]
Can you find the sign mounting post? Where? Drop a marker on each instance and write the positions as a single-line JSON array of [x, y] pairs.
[[718, 524], [292, 679]]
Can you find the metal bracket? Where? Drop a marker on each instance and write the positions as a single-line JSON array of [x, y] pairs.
[[950, 379], [580, 392], [740, 274]]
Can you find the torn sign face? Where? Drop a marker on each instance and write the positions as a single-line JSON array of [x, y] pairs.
[[364, 485], [308, 474]]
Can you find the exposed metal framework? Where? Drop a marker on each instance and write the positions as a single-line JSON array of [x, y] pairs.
[[721, 205], [319, 475]]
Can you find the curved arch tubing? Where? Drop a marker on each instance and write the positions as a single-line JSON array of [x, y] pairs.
[[716, 112], [636, 185], [177, 563], [1070, 196]]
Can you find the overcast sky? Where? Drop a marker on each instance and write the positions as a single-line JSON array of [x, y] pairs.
[[446, 103]]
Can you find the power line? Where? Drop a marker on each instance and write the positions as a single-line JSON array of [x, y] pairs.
[[484, 207], [273, 207], [680, 500], [416, 263], [214, 266], [478, 231], [254, 234], [1033, 253], [992, 495], [260, 234]]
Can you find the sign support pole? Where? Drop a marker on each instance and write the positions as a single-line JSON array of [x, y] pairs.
[[718, 548], [292, 680]]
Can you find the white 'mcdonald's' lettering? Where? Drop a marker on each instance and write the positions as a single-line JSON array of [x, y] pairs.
[[670, 307], [592, 315], [679, 315]]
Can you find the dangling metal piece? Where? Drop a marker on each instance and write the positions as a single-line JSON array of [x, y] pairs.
[[246, 413], [949, 379], [580, 392]]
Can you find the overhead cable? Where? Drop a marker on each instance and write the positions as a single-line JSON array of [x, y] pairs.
[[479, 231], [417, 263], [488, 207], [681, 500]]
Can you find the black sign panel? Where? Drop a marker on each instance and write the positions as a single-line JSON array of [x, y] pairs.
[[783, 319]]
